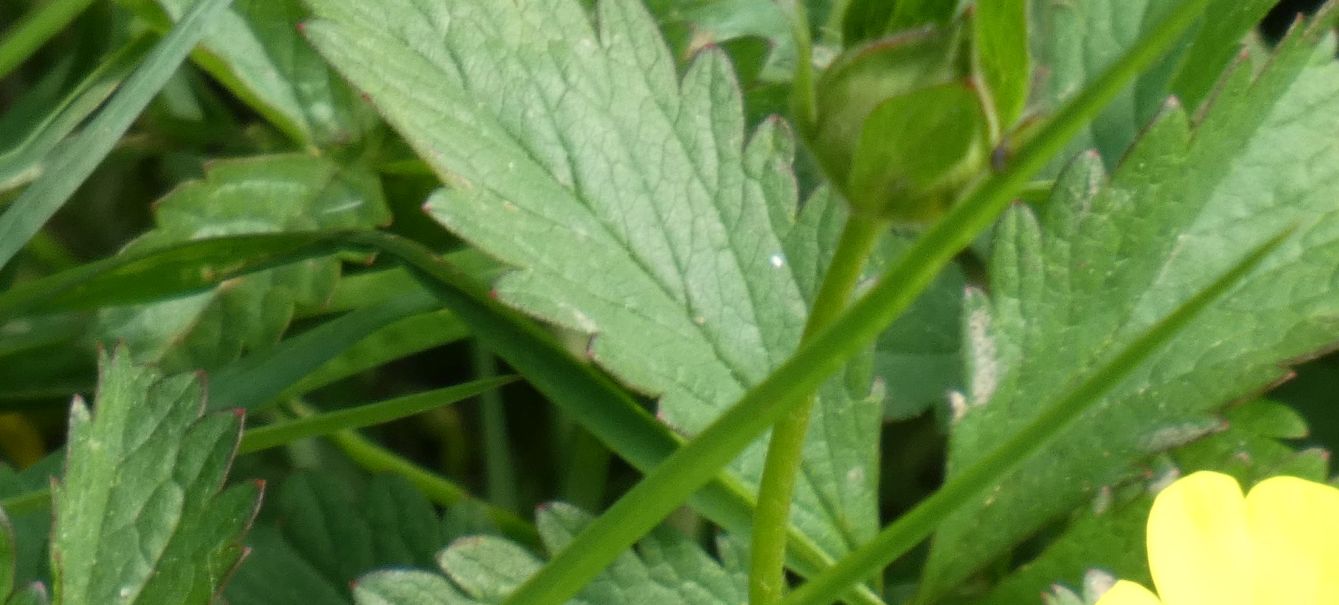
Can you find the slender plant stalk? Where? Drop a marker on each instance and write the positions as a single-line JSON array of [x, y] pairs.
[[438, 489], [44, 22], [910, 529], [693, 465], [785, 451], [499, 470], [325, 423], [803, 103]]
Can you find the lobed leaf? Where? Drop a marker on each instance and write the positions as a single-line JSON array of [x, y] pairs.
[[1105, 259], [141, 515], [629, 202], [666, 568]]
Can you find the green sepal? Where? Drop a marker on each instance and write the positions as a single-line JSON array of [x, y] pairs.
[[916, 149]]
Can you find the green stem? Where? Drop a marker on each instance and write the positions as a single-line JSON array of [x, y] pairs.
[[802, 99], [698, 461], [325, 423], [443, 491], [785, 451], [499, 470], [44, 22], [974, 481]]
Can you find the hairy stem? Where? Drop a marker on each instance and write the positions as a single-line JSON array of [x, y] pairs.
[[785, 451]]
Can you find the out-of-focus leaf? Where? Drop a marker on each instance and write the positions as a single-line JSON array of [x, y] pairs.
[[257, 52], [267, 194], [140, 515], [326, 537], [1074, 42]]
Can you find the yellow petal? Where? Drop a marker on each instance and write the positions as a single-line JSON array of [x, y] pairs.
[[1295, 526], [1128, 593], [1199, 545]]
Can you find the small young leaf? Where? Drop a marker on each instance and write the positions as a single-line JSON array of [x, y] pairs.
[[141, 516]]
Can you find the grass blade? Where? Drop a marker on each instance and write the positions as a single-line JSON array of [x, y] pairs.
[[151, 274], [646, 504], [591, 398], [21, 41], [73, 163], [261, 377], [917, 525], [371, 414], [22, 163]]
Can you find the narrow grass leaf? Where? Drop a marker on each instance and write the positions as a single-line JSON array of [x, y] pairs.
[[67, 169], [366, 415]]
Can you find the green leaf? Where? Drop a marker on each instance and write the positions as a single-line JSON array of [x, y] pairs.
[[140, 515], [589, 396], [276, 573], [540, 123], [1000, 45], [399, 587], [914, 13], [69, 166], [1109, 534], [666, 568], [37, 27], [267, 194], [32, 594], [326, 534], [1076, 42], [1107, 259], [689, 26], [145, 275], [918, 357], [255, 50], [1219, 40]]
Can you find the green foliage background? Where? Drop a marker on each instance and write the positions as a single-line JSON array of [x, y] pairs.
[[454, 301]]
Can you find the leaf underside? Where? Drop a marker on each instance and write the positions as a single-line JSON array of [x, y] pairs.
[[629, 201]]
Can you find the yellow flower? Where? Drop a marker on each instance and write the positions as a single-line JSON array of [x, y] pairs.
[[1209, 545]]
